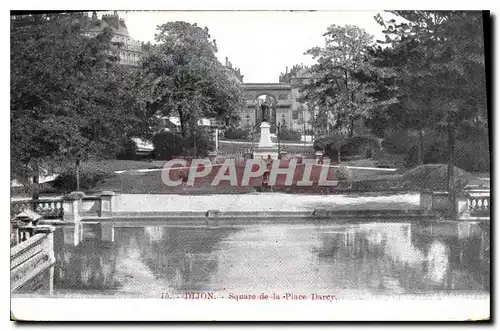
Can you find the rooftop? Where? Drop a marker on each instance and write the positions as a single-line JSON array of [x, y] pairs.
[[112, 21]]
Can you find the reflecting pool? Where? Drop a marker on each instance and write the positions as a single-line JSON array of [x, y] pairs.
[[348, 260]]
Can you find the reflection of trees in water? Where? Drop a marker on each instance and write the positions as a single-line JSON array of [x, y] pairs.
[[140, 257], [183, 256], [392, 257], [468, 253], [90, 266]]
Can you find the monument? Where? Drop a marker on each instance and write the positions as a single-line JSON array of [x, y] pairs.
[[266, 148]]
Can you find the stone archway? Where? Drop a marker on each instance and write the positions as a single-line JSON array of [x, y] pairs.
[[279, 93]]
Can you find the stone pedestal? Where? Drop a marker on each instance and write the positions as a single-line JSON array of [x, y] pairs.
[[106, 203], [266, 148], [265, 136], [463, 205], [426, 201], [72, 205]]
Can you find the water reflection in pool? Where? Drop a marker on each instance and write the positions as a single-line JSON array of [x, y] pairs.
[[346, 260]]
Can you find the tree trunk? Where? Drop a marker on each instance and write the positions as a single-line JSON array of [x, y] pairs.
[[451, 163], [351, 127], [77, 172], [36, 183], [182, 121], [338, 156], [421, 146], [278, 134], [195, 152]]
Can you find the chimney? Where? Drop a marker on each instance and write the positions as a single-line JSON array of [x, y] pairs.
[[227, 62]]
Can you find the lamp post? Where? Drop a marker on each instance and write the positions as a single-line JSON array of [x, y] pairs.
[[278, 127]]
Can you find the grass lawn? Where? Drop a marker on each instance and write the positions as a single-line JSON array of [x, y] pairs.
[[103, 165], [151, 182], [117, 165]]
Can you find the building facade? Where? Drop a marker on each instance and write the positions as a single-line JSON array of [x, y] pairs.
[[283, 98], [129, 50]]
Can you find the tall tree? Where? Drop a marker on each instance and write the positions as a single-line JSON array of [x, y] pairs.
[[336, 87], [447, 80], [69, 98], [182, 77]]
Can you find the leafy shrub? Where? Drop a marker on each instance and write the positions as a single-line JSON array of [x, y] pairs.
[[330, 145], [237, 133], [387, 160], [408, 144], [434, 177], [202, 142], [167, 145], [289, 135], [400, 142], [472, 155], [366, 146], [333, 141], [127, 150], [343, 173], [66, 181]]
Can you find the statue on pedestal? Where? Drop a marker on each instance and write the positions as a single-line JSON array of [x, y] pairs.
[[264, 108]]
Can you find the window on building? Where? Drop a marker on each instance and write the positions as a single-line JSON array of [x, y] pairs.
[[301, 115], [295, 114], [283, 97]]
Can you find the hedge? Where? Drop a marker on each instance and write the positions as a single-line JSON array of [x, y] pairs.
[[66, 180], [237, 133], [434, 177], [470, 154], [289, 135]]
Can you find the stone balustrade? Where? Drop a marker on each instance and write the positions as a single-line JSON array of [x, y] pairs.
[[479, 203], [32, 256], [48, 208], [469, 203], [70, 208], [78, 206]]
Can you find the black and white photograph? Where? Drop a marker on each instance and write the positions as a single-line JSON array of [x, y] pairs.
[[250, 165]]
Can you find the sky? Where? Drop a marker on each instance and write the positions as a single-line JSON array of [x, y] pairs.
[[261, 43]]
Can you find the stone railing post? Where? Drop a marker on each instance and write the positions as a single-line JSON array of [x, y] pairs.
[[462, 201], [72, 205], [107, 203], [426, 201]]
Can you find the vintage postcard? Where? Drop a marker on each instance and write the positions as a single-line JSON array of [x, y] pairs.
[[250, 165]]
